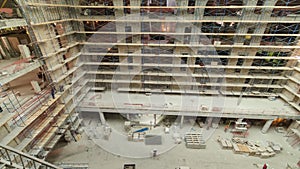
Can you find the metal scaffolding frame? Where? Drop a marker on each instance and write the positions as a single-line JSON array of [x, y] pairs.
[[251, 40]]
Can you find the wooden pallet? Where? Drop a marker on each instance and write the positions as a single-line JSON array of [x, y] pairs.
[[243, 148]]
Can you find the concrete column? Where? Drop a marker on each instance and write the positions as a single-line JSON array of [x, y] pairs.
[[181, 121], [198, 15], [243, 27], [240, 120], [123, 59], [260, 29], [195, 38], [267, 126], [182, 11], [119, 12], [176, 60], [102, 118], [208, 122], [120, 27], [199, 12], [135, 3]]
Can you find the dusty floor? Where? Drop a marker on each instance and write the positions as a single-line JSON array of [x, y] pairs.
[[112, 101], [213, 157]]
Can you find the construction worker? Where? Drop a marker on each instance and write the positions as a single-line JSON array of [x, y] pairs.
[[226, 128], [265, 166], [154, 152], [53, 93]]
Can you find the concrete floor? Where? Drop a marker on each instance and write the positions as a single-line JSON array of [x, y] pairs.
[[118, 144], [23, 85], [13, 65], [110, 101], [213, 157]]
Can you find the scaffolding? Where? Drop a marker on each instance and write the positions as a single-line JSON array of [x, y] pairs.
[[37, 123], [239, 47]]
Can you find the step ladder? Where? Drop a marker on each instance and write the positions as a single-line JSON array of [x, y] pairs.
[[13, 158]]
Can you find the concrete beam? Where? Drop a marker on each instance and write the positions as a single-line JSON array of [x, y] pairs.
[[190, 113]]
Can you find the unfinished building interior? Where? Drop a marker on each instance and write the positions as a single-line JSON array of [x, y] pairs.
[[166, 71]]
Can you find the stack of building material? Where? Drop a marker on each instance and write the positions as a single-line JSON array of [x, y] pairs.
[[194, 140], [236, 149], [225, 143], [293, 134], [251, 148], [136, 137], [269, 152], [276, 147], [243, 148]]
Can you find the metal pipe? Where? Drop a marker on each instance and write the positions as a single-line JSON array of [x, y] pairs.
[[3, 4]]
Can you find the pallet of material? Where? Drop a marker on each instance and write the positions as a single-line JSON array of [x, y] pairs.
[[229, 144], [252, 150], [236, 149], [223, 143], [251, 143], [196, 145], [276, 148], [243, 148], [195, 141], [226, 144], [267, 155], [270, 150], [249, 147], [261, 149]]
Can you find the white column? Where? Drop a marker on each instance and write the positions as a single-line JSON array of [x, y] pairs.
[[240, 120], [36, 86], [102, 118], [267, 126], [181, 121], [208, 122]]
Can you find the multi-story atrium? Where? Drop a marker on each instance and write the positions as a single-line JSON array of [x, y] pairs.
[[124, 82]]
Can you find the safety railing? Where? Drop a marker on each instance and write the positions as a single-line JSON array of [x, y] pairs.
[[17, 159]]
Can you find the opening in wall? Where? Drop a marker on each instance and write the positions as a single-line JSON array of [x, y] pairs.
[[199, 62], [183, 62], [126, 3], [191, 10], [130, 60], [240, 62]]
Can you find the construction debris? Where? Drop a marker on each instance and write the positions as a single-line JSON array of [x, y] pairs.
[[242, 146]]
